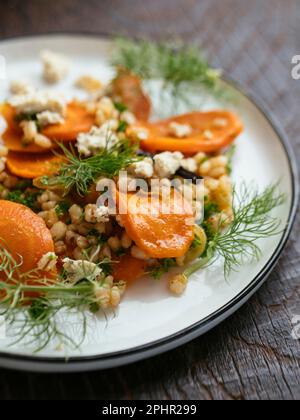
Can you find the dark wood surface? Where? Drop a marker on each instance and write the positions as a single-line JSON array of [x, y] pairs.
[[252, 355]]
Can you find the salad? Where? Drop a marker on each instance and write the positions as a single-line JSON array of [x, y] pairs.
[[97, 193]]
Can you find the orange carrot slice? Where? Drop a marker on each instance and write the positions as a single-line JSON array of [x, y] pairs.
[[160, 232], [127, 87], [210, 131], [129, 269], [24, 234], [13, 134], [78, 120], [33, 165]]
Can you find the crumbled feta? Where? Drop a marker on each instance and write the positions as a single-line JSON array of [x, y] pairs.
[[37, 102], [167, 164], [96, 140], [48, 118], [128, 117], [143, 168], [20, 87], [55, 66], [31, 135], [96, 214], [180, 130], [102, 214], [29, 131], [140, 133], [79, 270], [47, 262], [189, 164], [105, 110]]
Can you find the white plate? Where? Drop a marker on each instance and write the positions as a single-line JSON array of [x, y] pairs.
[[150, 321]]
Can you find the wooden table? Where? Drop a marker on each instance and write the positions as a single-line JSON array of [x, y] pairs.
[[252, 355]]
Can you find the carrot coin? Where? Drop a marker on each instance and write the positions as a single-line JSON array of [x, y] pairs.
[[161, 232], [24, 234], [210, 132], [129, 269], [78, 120], [32, 166]]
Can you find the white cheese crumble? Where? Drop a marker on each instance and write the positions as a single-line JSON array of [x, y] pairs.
[[79, 270], [20, 87], [96, 214], [189, 164], [105, 110], [55, 66], [102, 214], [128, 117], [48, 118], [140, 133], [180, 130], [167, 164], [47, 262], [37, 102], [97, 139], [143, 168], [31, 135]]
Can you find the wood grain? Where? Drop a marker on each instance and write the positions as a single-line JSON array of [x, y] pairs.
[[252, 355]]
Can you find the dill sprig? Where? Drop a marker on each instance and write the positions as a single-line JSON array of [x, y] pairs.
[[79, 173], [179, 66], [252, 220], [35, 321]]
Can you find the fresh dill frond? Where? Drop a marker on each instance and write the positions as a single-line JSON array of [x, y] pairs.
[[252, 220], [79, 173], [36, 321], [27, 198], [178, 65]]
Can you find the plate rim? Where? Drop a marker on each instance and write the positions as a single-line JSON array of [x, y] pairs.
[[122, 357]]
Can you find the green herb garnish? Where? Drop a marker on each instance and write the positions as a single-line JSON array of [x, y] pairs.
[[62, 208], [177, 65], [120, 107], [80, 173], [252, 221], [26, 198], [122, 127]]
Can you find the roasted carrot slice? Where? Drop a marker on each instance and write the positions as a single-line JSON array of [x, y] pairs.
[[127, 88], [24, 235], [78, 120], [32, 166], [210, 131], [129, 268], [13, 134], [157, 230]]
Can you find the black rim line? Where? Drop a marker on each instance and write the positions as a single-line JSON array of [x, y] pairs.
[[255, 283]]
